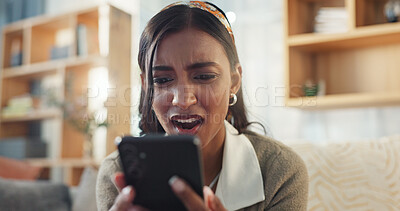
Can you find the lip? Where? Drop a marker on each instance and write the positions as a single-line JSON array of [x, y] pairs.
[[186, 118]]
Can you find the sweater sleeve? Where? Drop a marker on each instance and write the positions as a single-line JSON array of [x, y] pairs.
[[106, 191], [287, 179]]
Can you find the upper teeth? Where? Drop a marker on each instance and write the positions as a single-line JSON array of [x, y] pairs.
[[186, 120]]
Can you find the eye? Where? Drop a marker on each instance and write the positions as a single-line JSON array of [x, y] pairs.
[[205, 77], [161, 81]]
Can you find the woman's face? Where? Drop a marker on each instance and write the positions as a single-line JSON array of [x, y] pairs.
[[192, 84]]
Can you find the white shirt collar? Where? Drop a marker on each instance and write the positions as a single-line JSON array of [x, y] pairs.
[[240, 182]]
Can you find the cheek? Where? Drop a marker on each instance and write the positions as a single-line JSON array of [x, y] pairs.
[[215, 99], [161, 104]]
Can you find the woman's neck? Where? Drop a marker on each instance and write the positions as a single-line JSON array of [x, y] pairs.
[[212, 159]]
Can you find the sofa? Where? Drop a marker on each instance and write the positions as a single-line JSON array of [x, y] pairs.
[[357, 175], [16, 195]]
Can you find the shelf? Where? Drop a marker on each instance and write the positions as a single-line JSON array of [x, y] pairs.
[[49, 67], [360, 37], [37, 115], [345, 101], [356, 68], [64, 162]]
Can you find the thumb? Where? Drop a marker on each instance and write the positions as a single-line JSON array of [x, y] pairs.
[[119, 181], [208, 197], [212, 201]]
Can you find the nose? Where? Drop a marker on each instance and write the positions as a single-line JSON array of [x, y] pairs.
[[184, 97]]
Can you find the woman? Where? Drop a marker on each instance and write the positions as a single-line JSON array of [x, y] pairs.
[[191, 78]]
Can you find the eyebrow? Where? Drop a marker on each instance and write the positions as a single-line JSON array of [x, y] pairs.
[[162, 68], [201, 65], [190, 67]]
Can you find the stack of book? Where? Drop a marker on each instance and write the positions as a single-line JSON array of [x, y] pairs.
[[331, 20], [18, 106]]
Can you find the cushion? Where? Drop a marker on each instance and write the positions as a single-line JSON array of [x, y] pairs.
[[15, 169], [85, 196], [363, 175], [34, 196]]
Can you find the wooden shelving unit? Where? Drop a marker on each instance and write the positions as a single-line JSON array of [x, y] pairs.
[[49, 67], [32, 116], [64, 49], [360, 67]]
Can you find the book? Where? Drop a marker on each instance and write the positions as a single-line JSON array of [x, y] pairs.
[[16, 59], [33, 8], [22, 148], [82, 46], [331, 20], [16, 52], [18, 106], [87, 40], [59, 52]]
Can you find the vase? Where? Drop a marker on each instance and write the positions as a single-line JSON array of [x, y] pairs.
[[392, 10], [88, 147]]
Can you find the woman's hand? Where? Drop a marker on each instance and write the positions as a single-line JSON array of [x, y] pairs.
[[183, 191], [191, 200], [125, 197]]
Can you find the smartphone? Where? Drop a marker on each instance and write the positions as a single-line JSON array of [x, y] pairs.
[[150, 161]]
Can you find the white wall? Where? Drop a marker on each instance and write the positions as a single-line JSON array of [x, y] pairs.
[[62, 6]]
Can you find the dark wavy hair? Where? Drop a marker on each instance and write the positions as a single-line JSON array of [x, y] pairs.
[[172, 20]]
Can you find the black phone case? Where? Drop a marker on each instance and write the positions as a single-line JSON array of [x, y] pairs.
[[150, 161]]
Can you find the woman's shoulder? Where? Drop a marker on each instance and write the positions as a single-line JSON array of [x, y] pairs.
[[284, 173], [265, 144], [111, 163], [270, 151], [114, 156]]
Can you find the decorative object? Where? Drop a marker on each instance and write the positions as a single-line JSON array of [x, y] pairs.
[[392, 10], [77, 114], [310, 89], [84, 121]]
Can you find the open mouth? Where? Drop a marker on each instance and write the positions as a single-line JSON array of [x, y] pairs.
[[187, 124]]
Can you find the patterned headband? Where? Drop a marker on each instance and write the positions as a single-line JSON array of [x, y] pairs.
[[208, 8]]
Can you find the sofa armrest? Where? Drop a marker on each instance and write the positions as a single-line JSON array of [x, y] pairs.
[[30, 195]]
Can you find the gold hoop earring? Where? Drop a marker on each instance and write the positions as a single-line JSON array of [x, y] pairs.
[[234, 100]]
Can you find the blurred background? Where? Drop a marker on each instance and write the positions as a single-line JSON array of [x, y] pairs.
[[319, 72]]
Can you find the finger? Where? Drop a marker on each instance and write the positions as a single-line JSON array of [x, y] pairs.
[[217, 204], [207, 192], [185, 193], [119, 180], [212, 201], [124, 199], [137, 208]]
